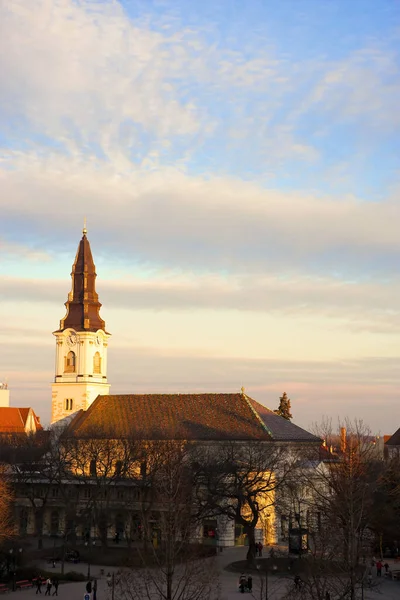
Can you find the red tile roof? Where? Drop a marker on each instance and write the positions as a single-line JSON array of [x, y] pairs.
[[13, 420], [185, 416]]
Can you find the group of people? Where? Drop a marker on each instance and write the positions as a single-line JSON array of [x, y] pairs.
[[245, 583], [259, 548], [49, 585]]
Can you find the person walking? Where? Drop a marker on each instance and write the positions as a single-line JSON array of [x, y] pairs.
[[55, 583], [249, 583], [39, 584], [379, 568], [386, 567], [48, 586], [95, 589]]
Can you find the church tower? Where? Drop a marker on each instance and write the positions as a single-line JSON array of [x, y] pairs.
[[81, 342]]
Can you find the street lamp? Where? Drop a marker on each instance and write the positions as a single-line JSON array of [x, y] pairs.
[[14, 561], [89, 546], [274, 569]]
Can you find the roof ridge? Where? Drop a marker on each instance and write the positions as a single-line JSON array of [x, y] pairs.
[[263, 425]]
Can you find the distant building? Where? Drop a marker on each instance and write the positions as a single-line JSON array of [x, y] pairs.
[[393, 445], [19, 420]]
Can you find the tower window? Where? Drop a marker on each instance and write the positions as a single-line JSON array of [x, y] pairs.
[[68, 404], [70, 362], [97, 363]]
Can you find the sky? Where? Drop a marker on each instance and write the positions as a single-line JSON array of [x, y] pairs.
[[238, 164]]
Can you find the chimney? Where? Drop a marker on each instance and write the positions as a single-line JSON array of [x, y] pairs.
[[343, 439]]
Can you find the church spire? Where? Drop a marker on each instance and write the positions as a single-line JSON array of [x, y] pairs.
[[83, 304]]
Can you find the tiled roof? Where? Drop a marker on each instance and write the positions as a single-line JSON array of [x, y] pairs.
[[13, 420], [281, 429], [184, 416], [394, 440]]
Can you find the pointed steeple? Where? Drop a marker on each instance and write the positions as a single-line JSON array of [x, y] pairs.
[[83, 304]]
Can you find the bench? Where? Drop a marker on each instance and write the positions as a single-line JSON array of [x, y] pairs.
[[24, 583], [395, 574], [4, 588]]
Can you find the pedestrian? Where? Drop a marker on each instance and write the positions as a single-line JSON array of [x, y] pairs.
[[95, 589], [55, 583], [48, 586], [297, 582], [379, 569], [386, 567], [369, 579], [54, 564], [39, 584], [260, 549], [249, 583], [89, 587], [109, 579]]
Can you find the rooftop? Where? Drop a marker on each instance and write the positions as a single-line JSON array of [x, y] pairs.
[[208, 417]]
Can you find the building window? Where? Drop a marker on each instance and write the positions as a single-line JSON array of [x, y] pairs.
[[23, 521], [97, 363], [54, 523], [68, 404], [70, 362]]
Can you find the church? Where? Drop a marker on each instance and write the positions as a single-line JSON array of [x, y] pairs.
[[81, 389], [81, 400], [83, 408]]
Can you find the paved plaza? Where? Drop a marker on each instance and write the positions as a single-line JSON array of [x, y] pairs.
[[386, 590]]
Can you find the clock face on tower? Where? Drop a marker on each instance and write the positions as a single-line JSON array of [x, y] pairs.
[[71, 339]]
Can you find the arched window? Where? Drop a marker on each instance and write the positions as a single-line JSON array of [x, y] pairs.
[[68, 404], [70, 362], [97, 363], [93, 468]]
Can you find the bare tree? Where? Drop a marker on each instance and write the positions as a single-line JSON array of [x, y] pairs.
[[240, 480], [341, 495], [172, 567], [31, 472], [6, 497]]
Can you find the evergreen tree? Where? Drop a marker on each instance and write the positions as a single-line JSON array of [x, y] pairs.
[[284, 407]]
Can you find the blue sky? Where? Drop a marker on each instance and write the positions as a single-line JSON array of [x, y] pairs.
[[238, 164]]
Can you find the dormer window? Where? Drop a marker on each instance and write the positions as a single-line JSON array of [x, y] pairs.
[[70, 362], [97, 363]]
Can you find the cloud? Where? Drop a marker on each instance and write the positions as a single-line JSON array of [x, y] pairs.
[[174, 219], [316, 388], [10, 251], [366, 85], [363, 306]]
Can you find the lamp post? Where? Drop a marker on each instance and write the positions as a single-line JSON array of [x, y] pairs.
[[14, 564], [274, 569], [89, 547]]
